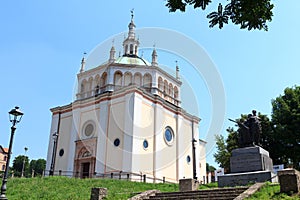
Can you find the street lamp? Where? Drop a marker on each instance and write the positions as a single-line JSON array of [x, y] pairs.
[[194, 159], [55, 136], [15, 116], [23, 167]]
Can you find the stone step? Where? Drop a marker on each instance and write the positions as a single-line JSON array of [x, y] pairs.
[[218, 194]]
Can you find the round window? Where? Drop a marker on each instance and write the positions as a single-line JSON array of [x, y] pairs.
[[117, 142], [145, 144], [188, 159], [169, 136], [89, 130], [61, 152]]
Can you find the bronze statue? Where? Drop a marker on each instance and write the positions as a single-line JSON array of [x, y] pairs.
[[249, 131]]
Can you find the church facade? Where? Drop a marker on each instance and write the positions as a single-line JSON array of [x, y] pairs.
[[127, 120]]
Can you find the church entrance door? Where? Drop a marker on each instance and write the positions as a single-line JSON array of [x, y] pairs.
[[85, 170]]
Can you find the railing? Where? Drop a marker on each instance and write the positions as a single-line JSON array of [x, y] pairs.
[[129, 176]]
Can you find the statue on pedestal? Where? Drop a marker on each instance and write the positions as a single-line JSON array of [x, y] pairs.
[[249, 131]]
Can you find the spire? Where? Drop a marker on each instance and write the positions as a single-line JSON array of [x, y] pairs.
[[112, 53], [131, 26], [130, 44], [177, 71], [154, 57], [82, 63]]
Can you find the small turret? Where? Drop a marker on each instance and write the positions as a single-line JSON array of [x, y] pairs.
[[112, 55], [82, 63], [177, 71], [154, 58]]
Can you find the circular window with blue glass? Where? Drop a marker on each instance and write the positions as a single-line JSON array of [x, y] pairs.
[[169, 135], [188, 159], [117, 142], [145, 144]]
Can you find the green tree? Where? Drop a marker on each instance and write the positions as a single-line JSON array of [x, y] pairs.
[[18, 165], [210, 168], [38, 166], [247, 14], [224, 148], [286, 125]]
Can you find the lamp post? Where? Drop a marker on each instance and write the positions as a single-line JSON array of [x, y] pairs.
[[55, 136], [23, 167], [15, 116], [194, 159]]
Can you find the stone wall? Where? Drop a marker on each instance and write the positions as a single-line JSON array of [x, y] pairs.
[[289, 180]]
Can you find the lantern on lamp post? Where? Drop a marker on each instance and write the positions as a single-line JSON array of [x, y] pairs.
[[15, 116]]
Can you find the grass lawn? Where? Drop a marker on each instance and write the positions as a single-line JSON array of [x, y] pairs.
[[271, 192], [70, 188], [64, 188]]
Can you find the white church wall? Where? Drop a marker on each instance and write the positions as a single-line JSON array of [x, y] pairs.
[[202, 161], [166, 152], [185, 148], [114, 154], [61, 162], [142, 158], [102, 117], [128, 133]]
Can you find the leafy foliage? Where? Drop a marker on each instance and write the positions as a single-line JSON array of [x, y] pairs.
[[286, 125], [248, 14], [37, 165], [210, 168], [18, 165]]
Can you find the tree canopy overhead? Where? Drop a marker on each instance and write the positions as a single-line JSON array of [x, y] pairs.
[[247, 14]]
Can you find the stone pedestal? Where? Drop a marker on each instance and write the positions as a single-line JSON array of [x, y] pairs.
[[250, 159], [98, 193], [248, 165], [188, 185], [289, 180]]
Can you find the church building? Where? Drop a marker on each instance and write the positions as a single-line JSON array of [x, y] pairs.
[[126, 122]]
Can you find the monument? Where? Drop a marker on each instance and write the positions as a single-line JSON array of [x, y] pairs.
[[249, 163]]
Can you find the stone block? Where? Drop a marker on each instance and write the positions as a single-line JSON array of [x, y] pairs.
[[289, 180], [188, 185], [98, 193], [250, 159], [239, 179]]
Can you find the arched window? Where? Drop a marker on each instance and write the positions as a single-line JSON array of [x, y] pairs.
[[147, 82], [135, 49], [3, 167], [160, 84], [97, 83], [90, 86], [127, 78], [176, 92], [131, 49], [118, 78], [166, 86], [5, 158], [83, 86], [103, 79], [171, 89], [126, 49], [138, 79]]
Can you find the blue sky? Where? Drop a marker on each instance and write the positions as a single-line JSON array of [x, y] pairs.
[[42, 43]]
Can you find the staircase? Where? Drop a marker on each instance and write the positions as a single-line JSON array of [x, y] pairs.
[[215, 194]]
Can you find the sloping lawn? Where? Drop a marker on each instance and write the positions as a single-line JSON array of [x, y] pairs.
[[74, 189]]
